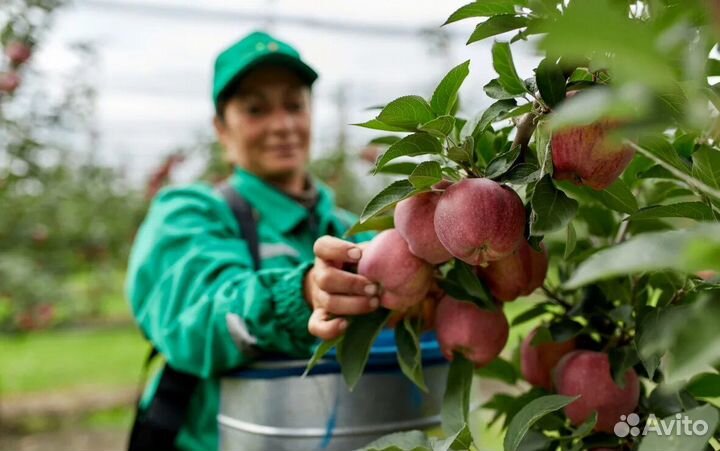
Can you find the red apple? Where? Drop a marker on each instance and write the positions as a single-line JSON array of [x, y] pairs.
[[414, 220], [404, 279], [18, 52], [463, 327], [478, 220], [518, 274], [9, 82], [538, 361], [587, 373]]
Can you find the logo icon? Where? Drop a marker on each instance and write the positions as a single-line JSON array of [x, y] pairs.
[[628, 426]]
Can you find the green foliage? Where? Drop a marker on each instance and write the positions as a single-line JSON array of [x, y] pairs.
[[628, 264]]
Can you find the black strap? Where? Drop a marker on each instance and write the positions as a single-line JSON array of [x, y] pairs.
[[246, 220], [156, 428]]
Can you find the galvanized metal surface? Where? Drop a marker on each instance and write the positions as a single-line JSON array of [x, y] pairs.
[[320, 413]]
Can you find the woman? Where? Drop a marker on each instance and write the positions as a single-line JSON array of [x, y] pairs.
[[191, 281]]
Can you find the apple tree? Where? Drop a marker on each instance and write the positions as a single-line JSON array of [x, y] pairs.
[[592, 184]]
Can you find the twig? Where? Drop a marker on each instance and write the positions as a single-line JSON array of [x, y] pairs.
[[690, 181], [549, 293], [622, 231], [525, 129]]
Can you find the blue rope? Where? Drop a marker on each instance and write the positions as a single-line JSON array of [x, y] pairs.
[[332, 420]]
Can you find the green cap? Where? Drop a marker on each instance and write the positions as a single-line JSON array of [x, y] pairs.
[[253, 49]]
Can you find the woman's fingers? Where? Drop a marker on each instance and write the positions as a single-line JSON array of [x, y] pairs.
[[338, 304], [324, 327], [337, 281], [332, 249]]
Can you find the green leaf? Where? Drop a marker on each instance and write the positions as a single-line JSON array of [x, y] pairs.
[[616, 197], [401, 441], [354, 350], [648, 252], [456, 402], [499, 369], [662, 151], [493, 112], [705, 385], [375, 223], [468, 279], [530, 314], [408, 352], [496, 25], [445, 96], [426, 174], [570, 241], [462, 153], [586, 427], [625, 103], [462, 440], [505, 68], [592, 29], [706, 167], [655, 172], [529, 415], [552, 209], [693, 210], [517, 111], [402, 168], [499, 165], [713, 67], [379, 125], [551, 82], [320, 351], [483, 8], [386, 140], [495, 91], [410, 146], [393, 193], [695, 343], [686, 442], [522, 174], [406, 112], [440, 127]]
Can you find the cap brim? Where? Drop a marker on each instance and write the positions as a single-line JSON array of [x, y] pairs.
[[306, 73]]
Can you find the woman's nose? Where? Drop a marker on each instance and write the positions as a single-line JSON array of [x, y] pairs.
[[282, 120]]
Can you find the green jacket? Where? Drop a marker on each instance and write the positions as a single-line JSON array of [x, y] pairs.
[[195, 295]]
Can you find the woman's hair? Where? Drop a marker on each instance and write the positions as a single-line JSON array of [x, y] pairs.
[[232, 89]]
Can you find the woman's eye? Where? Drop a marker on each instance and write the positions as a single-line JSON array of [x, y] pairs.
[[295, 106], [255, 110]]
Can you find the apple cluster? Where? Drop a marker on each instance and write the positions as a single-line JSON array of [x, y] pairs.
[[482, 223], [17, 53], [563, 368], [477, 221]]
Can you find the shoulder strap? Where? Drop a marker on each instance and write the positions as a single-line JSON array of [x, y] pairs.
[[244, 216], [156, 429]]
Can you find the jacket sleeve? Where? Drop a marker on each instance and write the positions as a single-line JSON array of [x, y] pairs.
[[190, 275]]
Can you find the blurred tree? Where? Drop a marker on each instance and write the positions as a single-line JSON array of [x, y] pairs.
[[63, 213]]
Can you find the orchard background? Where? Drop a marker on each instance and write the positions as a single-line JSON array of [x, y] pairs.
[[631, 256]]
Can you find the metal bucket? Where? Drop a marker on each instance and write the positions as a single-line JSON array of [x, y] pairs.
[[268, 406]]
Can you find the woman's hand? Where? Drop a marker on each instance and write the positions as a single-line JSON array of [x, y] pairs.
[[333, 292]]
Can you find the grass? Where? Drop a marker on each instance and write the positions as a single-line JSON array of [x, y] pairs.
[[66, 359]]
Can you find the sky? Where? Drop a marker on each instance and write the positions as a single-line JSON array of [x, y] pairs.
[[155, 62]]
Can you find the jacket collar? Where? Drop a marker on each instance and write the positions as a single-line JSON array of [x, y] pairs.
[[282, 212]]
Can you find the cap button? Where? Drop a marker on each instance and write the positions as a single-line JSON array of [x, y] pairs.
[[273, 47], [259, 46]]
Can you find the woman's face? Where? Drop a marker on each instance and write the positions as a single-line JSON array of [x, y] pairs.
[[266, 125]]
